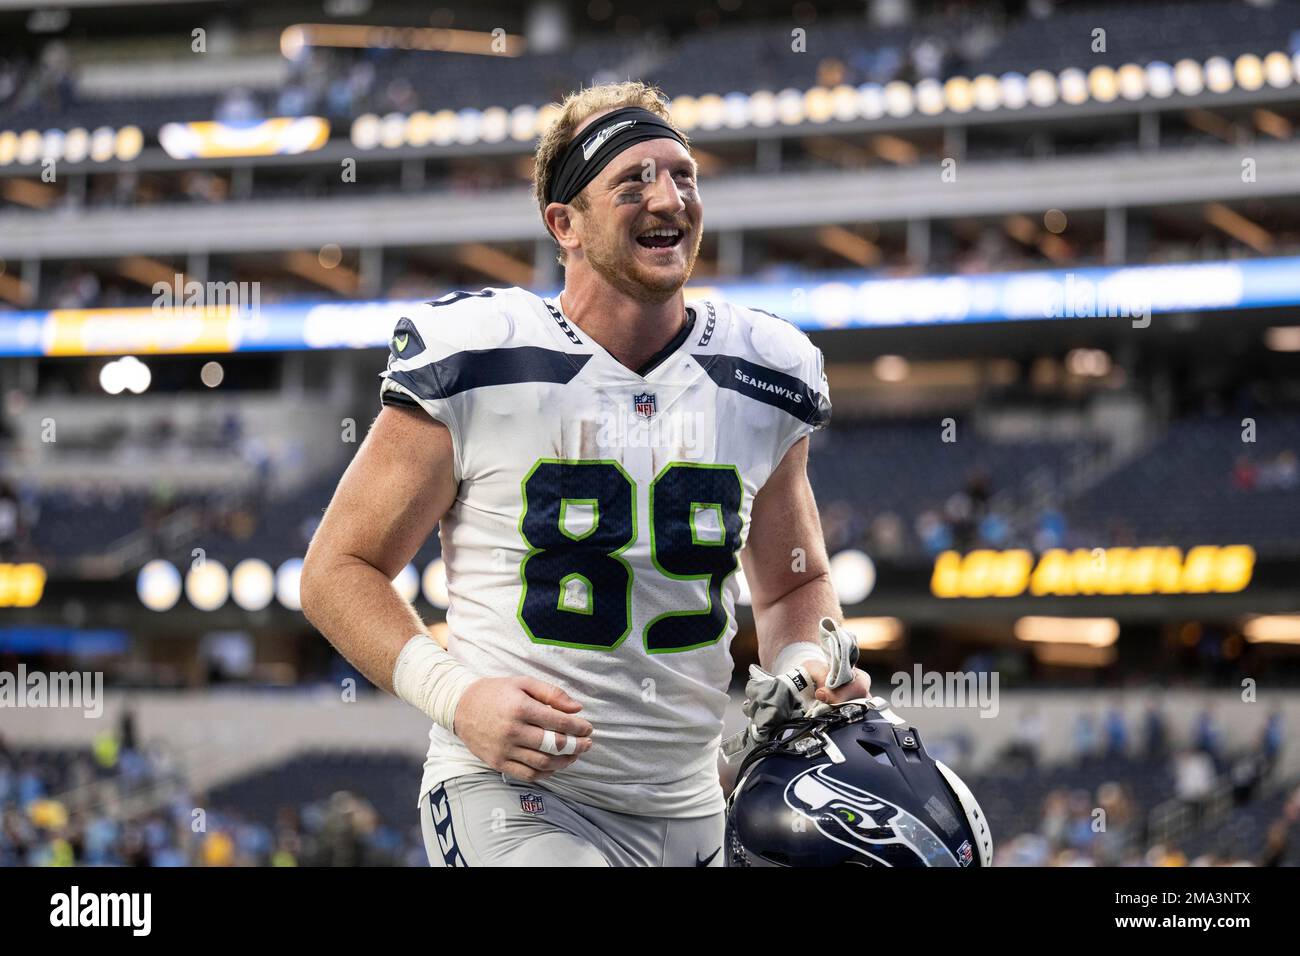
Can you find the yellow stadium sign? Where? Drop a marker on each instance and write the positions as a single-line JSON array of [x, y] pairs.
[[1206, 569], [141, 330], [21, 585], [277, 136]]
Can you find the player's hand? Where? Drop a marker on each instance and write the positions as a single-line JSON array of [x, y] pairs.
[[503, 721], [858, 686]]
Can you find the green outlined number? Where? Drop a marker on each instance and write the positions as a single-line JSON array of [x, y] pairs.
[[576, 589], [694, 533], [579, 517]]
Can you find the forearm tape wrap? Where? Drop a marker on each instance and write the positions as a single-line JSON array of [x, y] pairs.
[[429, 678]]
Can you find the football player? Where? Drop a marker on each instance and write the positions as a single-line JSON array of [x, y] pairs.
[[600, 465]]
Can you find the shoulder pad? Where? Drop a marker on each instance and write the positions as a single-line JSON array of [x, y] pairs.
[[771, 341], [456, 322]]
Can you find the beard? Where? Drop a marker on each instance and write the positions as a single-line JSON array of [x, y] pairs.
[[634, 279]]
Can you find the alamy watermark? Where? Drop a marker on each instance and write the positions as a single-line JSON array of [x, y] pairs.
[[644, 426], [194, 297], [1081, 298], [76, 690], [922, 688]]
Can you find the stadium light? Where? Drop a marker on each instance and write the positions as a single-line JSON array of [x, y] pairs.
[[1044, 88], [207, 585], [1189, 77], [1272, 629], [125, 374], [1132, 81], [929, 97], [891, 368], [1088, 363], [1249, 72], [987, 92], [1283, 338], [875, 633], [288, 579], [1218, 75], [158, 585], [871, 101], [853, 575], [1160, 79], [790, 107], [434, 584], [900, 99], [430, 39], [713, 109], [1091, 631], [1014, 90], [1103, 84], [1278, 70], [844, 103], [252, 584], [523, 123], [110, 378], [1074, 655], [762, 108], [1074, 86], [407, 583]]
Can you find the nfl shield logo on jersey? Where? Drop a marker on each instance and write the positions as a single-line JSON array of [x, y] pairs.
[[531, 803], [965, 853], [644, 404]]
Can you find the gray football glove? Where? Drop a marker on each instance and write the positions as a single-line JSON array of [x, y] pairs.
[[772, 700]]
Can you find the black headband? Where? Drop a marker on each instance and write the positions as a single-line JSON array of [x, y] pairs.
[[585, 156]]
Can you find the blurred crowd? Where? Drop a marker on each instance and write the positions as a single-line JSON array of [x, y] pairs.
[[1279, 472], [1109, 734], [970, 517], [46, 82], [124, 804], [1213, 795]]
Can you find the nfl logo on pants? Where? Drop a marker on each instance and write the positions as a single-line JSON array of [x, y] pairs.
[[531, 803], [644, 404]]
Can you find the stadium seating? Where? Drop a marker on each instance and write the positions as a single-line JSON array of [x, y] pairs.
[[1141, 33], [388, 781], [732, 57], [1182, 490]]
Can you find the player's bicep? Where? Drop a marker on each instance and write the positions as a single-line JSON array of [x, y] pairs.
[[784, 518], [392, 495]]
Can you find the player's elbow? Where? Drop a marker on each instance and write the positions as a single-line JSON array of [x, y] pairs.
[[319, 567], [810, 585]]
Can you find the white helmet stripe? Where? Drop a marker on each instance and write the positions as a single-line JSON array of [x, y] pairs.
[[979, 823]]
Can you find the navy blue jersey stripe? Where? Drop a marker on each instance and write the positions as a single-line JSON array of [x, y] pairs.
[[479, 369], [769, 386]]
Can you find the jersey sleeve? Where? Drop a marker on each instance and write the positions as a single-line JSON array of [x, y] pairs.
[[817, 414], [427, 352], [799, 373]]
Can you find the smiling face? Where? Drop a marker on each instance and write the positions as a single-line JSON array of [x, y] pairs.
[[641, 221]]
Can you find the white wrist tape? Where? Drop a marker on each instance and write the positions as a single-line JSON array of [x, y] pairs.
[[429, 678], [793, 654]]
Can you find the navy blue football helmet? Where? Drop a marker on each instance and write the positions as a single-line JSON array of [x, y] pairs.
[[852, 786]]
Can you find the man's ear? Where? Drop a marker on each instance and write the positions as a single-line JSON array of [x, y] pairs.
[[560, 220]]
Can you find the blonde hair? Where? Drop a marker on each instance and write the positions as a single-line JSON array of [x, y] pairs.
[[576, 109]]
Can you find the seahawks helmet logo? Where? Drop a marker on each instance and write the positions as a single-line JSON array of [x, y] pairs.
[[883, 833], [590, 146]]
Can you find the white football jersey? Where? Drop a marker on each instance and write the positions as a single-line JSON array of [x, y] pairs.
[[594, 539]]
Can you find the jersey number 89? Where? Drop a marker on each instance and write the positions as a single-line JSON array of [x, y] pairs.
[[577, 588]]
